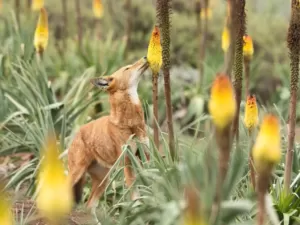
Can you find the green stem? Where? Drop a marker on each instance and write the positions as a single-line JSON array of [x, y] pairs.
[[247, 75], [79, 24], [203, 43], [229, 55], [155, 109]]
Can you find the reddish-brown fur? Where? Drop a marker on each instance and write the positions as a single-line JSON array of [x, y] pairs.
[[98, 144]]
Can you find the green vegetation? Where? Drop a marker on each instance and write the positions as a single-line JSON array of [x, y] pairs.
[[55, 94]]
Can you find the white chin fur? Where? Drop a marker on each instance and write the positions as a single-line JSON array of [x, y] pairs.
[[132, 91]]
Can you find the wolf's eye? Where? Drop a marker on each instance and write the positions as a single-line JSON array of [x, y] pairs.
[[127, 68]]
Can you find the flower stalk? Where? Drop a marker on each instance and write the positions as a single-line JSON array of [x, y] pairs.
[[293, 41], [266, 154], [239, 23], [229, 55], [163, 15], [128, 6], [248, 54], [18, 10], [222, 97], [98, 14], [79, 24], [193, 213], [203, 41], [41, 35], [65, 21], [251, 122], [154, 57]]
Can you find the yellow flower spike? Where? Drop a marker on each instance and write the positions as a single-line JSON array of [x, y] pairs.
[[248, 49], [222, 105], [251, 113], [154, 55], [37, 4], [225, 39], [205, 11], [54, 198], [6, 216], [98, 9], [41, 35], [266, 150], [193, 215]]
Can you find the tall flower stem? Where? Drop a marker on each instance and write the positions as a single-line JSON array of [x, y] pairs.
[[154, 57], [262, 188], [238, 62], [28, 8], [155, 109], [203, 41], [247, 75], [229, 55], [251, 163], [128, 24], [65, 21], [164, 7], [18, 10], [293, 41], [79, 24], [222, 96]]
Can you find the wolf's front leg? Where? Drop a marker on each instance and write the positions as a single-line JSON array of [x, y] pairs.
[[129, 178]]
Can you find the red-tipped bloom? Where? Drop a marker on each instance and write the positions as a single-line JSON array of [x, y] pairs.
[[251, 113]]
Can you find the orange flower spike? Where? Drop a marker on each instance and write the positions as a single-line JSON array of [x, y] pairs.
[[222, 105], [266, 150], [154, 55], [251, 113], [248, 49], [205, 11], [225, 39], [98, 9], [41, 35], [37, 4]]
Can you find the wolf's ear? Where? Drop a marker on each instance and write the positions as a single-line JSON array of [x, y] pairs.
[[102, 82]]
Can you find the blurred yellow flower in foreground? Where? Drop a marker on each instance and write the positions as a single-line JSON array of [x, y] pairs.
[[225, 39], [37, 4], [154, 55], [205, 11], [251, 113], [6, 216], [222, 105], [41, 35], [54, 198], [98, 9], [248, 49], [193, 215], [266, 150]]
